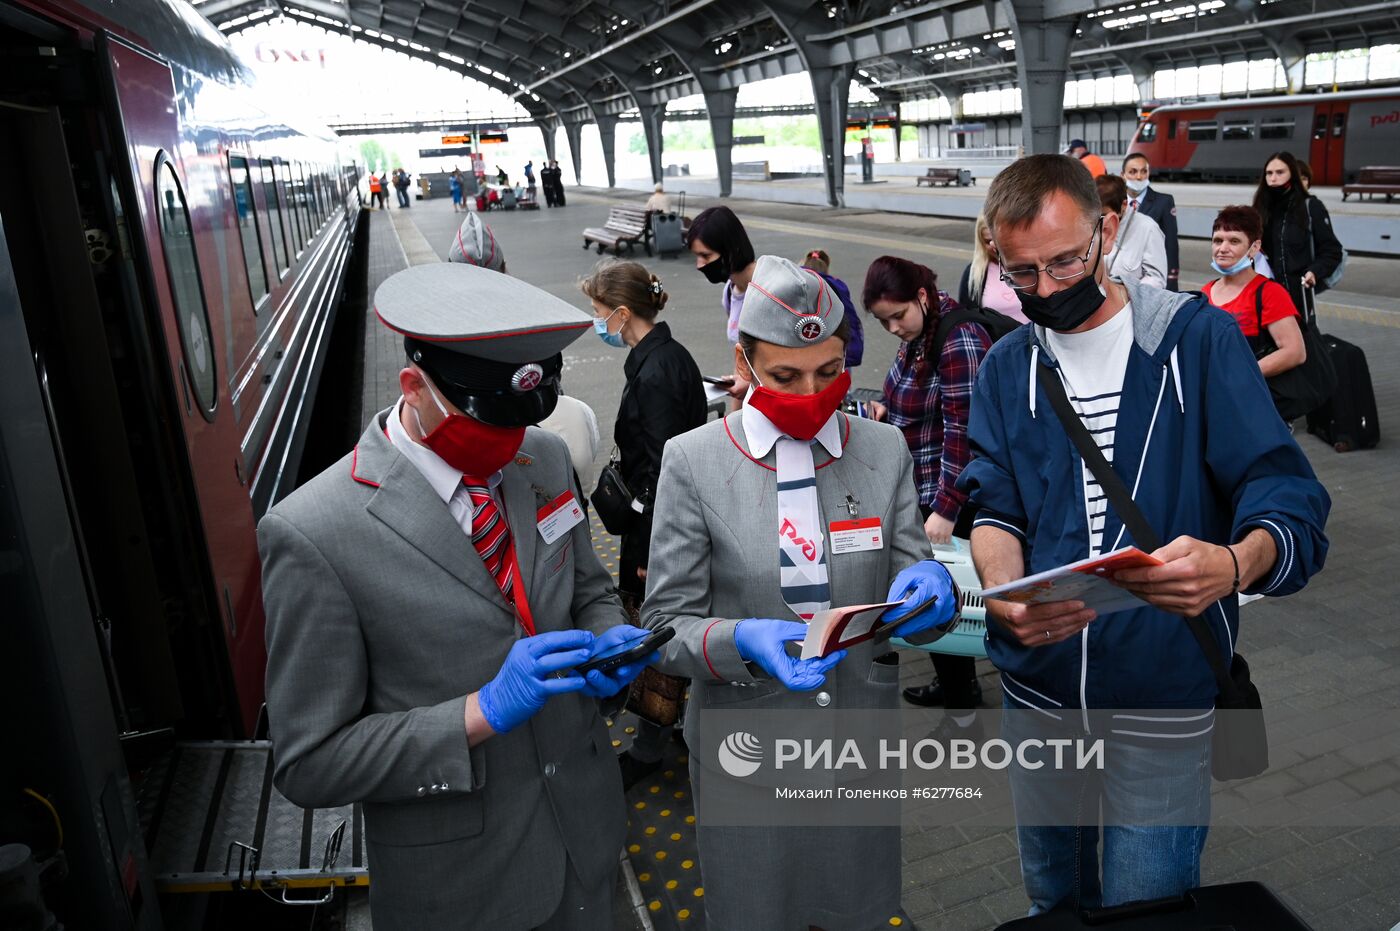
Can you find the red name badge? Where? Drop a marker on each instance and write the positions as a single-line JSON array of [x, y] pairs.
[[856, 536], [558, 517]]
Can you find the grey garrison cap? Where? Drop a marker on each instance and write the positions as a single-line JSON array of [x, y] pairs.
[[788, 305], [478, 313], [476, 245]]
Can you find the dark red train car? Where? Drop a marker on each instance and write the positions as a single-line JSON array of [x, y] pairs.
[[1229, 140], [172, 256]]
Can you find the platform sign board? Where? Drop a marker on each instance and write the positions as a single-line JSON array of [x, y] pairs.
[[748, 140], [494, 137], [453, 152], [457, 139]]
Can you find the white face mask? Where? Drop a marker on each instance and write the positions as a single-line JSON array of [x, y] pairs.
[[1137, 187]]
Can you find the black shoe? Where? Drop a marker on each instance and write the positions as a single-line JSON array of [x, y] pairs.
[[635, 770], [931, 695], [948, 729]]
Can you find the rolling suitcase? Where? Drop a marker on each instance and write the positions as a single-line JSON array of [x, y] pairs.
[[1348, 420], [666, 232], [1248, 906]]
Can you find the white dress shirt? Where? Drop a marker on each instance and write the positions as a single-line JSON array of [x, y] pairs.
[[444, 479], [762, 434], [1140, 252]]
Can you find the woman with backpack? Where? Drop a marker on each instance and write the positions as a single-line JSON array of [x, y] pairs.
[[928, 394], [1302, 249]]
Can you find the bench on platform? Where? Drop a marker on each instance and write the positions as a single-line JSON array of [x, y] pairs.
[[751, 171], [1374, 180], [946, 176], [625, 226]]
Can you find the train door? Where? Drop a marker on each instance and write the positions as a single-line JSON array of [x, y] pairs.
[[168, 177], [1328, 138]]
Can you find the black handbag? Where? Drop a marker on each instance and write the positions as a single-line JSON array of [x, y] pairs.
[[1303, 388], [1239, 740], [613, 500]]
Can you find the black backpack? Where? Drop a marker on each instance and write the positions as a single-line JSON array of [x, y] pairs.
[[995, 323]]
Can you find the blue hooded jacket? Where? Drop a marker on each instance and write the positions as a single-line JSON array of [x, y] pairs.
[[1201, 448]]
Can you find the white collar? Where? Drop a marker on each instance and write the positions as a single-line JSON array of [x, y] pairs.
[[762, 434], [444, 479]]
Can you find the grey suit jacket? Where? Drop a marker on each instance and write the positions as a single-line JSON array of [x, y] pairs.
[[381, 619], [714, 558]]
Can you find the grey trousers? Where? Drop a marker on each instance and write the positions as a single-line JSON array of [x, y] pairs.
[[583, 908]]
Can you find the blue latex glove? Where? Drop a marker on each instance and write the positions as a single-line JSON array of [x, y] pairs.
[[606, 684], [763, 641], [526, 679], [916, 585]]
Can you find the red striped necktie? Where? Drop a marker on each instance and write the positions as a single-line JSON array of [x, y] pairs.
[[491, 537]]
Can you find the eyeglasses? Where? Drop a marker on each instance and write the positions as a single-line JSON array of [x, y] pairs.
[[1023, 279]]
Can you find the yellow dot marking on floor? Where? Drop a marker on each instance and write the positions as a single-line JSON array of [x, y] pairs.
[[655, 789], [699, 892], [665, 812], [617, 743], [655, 905], [644, 877], [636, 848], [671, 884], [670, 774], [610, 722], [896, 921], [629, 730], [676, 836], [640, 805], [689, 819], [650, 830], [680, 795], [683, 914], [660, 854], [687, 864]]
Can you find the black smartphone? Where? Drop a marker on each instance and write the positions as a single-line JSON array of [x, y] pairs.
[[627, 652], [718, 379]]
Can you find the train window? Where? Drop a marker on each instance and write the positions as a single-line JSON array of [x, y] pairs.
[[1237, 130], [186, 287], [1148, 132], [1339, 123], [1320, 127], [1277, 128], [248, 227], [274, 214], [287, 185], [1171, 129], [1200, 132], [304, 198]]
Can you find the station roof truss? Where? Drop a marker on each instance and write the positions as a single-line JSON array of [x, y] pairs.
[[577, 61]]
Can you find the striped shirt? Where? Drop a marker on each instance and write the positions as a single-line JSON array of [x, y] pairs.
[[1092, 365]]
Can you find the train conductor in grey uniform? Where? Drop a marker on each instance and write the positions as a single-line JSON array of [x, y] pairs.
[[427, 599], [759, 523]]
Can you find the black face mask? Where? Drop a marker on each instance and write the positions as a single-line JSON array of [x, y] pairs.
[[717, 271], [1067, 309]]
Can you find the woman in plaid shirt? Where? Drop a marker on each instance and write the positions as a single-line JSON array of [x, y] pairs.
[[928, 399]]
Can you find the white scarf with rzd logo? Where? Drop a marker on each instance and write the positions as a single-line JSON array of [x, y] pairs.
[[802, 570]]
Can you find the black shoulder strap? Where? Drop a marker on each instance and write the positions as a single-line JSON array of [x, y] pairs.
[[1259, 304], [945, 326], [1122, 503]]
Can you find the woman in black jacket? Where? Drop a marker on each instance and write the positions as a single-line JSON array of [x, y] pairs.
[[663, 397], [1298, 239]]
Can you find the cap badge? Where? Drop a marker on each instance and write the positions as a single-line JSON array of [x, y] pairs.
[[526, 378], [810, 329]]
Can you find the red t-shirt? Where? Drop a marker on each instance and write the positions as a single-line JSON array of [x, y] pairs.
[[1277, 304]]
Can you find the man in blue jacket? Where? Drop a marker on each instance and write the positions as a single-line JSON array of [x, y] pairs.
[[1169, 390]]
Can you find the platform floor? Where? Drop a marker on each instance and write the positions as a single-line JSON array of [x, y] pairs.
[[1338, 641]]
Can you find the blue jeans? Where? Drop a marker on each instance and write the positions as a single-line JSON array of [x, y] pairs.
[[1154, 806]]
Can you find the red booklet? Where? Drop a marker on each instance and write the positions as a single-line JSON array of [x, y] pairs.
[[838, 628]]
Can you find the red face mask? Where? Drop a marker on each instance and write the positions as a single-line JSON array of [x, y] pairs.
[[800, 416], [470, 446]]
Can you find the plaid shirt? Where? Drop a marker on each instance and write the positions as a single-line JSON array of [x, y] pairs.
[[930, 405]]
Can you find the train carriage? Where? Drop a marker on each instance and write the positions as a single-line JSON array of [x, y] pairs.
[[1229, 140], [173, 255]]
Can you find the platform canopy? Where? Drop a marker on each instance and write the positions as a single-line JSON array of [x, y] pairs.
[[571, 62]]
